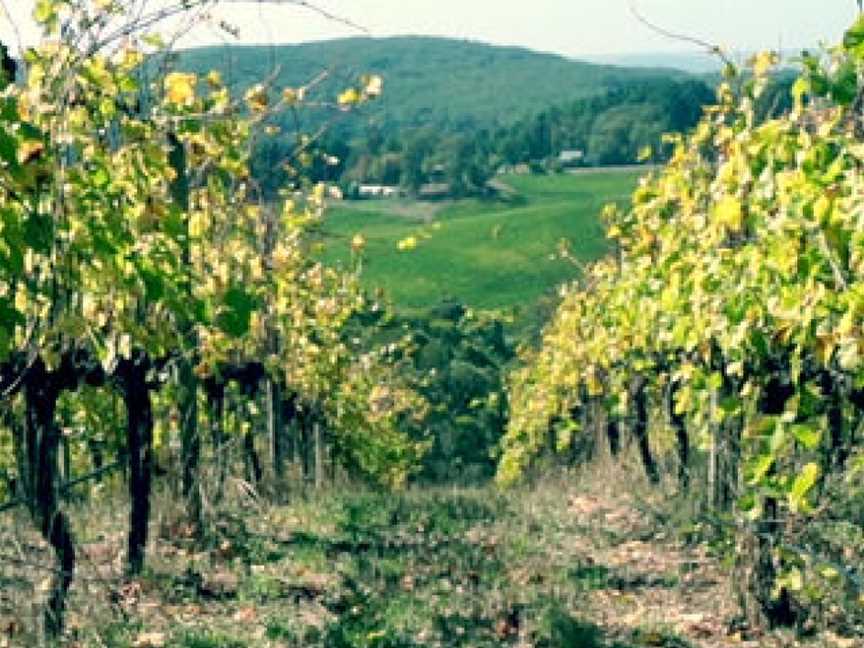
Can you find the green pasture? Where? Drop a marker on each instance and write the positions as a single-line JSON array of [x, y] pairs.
[[489, 254]]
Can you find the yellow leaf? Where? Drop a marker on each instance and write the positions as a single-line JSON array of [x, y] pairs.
[[594, 386], [21, 300], [319, 191], [763, 62], [214, 79], [256, 98], [349, 97], [407, 244], [29, 150], [374, 85], [180, 88], [822, 209], [358, 242], [124, 347], [825, 347], [131, 58], [292, 96], [849, 357], [730, 213]]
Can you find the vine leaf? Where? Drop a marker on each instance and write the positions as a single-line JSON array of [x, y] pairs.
[[236, 312], [802, 485]]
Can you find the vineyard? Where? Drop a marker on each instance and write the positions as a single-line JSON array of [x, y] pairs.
[[146, 293], [728, 322], [167, 331]]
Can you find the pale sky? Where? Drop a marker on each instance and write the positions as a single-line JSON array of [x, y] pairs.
[[570, 27]]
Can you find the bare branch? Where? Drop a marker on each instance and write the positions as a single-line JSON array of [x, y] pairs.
[[145, 21], [309, 6], [710, 48]]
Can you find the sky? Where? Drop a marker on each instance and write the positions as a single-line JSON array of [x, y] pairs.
[[573, 28]]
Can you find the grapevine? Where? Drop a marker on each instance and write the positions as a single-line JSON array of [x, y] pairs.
[[735, 295]]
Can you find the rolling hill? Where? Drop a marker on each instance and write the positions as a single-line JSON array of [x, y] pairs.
[[426, 80]]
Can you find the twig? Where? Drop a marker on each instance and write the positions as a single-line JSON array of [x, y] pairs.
[[145, 21], [714, 50], [309, 6]]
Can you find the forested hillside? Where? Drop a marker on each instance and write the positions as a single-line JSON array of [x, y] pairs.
[[430, 81], [453, 112]]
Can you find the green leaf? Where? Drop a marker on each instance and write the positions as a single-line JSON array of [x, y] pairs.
[[38, 233], [8, 148], [844, 85], [853, 39], [715, 380], [153, 40], [45, 11], [730, 405], [153, 284], [9, 109], [5, 344], [808, 435], [236, 312], [9, 316], [761, 466], [792, 580], [747, 502], [802, 485], [778, 438]]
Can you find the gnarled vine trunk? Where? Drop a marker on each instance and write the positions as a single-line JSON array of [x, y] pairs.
[[640, 429], [216, 414], [763, 604], [190, 445], [682, 441], [275, 431], [139, 435], [41, 391], [613, 434]]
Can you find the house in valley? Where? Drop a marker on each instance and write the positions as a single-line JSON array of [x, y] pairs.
[[377, 191], [434, 191], [571, 158]]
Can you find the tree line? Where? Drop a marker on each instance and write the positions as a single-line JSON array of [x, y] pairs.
[[615, 127]]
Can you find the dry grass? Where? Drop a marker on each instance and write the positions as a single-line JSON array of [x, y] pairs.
[[570, 561]]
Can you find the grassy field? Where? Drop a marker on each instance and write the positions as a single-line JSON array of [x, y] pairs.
[[486, 254]]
